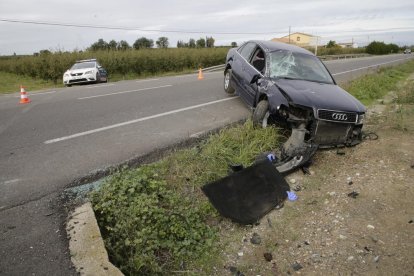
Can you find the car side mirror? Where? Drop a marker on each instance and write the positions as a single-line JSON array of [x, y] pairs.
[[255, 78]]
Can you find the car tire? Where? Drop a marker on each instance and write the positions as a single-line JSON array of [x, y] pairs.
[[68, 85], [261, 114], [227, 82], [98, 78]]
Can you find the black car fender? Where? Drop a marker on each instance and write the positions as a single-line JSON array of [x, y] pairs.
[[267, 90]]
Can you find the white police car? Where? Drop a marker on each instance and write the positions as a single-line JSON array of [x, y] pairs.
[[85, 71]]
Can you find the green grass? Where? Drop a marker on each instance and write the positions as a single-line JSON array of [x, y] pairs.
[[375, 86], [10, 83], [156, 217]]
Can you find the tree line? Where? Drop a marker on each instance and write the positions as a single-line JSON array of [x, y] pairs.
[[146, 43]]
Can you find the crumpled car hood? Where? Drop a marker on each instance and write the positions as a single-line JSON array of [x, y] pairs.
[[319, 95]]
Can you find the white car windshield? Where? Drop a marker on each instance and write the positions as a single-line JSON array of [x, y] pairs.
[[83, 65], [288, 65]]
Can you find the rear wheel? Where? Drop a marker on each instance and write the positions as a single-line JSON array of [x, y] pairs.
[[98, 78], [227, 85], [261, 114]]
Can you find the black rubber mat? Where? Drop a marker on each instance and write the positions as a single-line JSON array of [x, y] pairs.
[[247, 195]]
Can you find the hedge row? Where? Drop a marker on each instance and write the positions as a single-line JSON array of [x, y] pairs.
[[137, 62]]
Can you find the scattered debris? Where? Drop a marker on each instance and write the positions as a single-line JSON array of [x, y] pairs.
[[353, 194], [255, 239], [233, 269], [268, 256], [269, 221], [297, 188], [369, 226], [349, 180], [376, 259], [292, 181], [306, 242], [342, 237], [316, 258], [350, 258], [292, 196], [297, 266], [340, 152], [411, 221], [240, 254]]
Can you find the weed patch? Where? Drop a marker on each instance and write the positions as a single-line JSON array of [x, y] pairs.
[[371, 87], [154, 219]]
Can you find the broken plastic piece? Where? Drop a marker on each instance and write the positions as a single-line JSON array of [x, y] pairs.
[[292, 196]]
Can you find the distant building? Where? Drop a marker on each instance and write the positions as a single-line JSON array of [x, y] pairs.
[[300, 39], [348, 45]]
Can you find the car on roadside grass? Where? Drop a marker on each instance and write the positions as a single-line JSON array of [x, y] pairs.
[[407, 51], [85, 71], [289, 86]]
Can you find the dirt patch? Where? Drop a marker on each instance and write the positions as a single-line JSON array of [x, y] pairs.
[[354, 214]]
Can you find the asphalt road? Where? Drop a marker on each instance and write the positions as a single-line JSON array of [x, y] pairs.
[[65, 134]]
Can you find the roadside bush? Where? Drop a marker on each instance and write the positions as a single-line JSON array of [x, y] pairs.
[[380, 48], [149, 228]]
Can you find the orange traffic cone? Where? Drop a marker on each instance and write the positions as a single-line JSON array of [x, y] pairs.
[[200, 74], [24, 99]]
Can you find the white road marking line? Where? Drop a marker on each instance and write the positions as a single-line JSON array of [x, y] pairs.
[[102, 85], [11, 181], [146, 80], [366, 67], [123, 92], [136, 121]]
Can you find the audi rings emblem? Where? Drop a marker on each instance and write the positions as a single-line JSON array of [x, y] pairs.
[[339, 116]]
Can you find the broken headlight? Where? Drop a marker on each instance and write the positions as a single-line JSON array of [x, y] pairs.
[[360, 120]]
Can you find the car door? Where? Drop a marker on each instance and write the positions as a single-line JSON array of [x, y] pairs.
[[239, 66], [256, 66]]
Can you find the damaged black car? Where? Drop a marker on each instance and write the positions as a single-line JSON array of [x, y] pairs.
[[290, 86]]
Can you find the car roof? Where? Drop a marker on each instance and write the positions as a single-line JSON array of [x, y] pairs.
[[270, 46], [86, 60]]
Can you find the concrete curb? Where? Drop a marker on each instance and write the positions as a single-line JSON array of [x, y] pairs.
[[87, 250]]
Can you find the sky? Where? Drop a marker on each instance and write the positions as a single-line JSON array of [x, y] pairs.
[[226, 21]]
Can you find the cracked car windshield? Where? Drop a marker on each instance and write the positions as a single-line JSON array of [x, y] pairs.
[[285, 64]]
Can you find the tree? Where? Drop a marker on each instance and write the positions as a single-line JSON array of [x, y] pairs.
[[191, 43], [99, 45], [143, 42], [180, 44], [331, 44], [162, 42], [123, 45], [201, 43], [44, 52], [112, 45], [234, 44], [210, 42]]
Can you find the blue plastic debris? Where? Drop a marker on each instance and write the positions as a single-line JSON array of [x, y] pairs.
[[292, 196], [271, 157]]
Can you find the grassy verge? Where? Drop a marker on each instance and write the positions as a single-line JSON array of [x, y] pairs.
[[10, 83], [374, 86], [155, 219]]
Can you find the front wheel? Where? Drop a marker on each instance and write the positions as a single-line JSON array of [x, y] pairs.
[[227, 85], [261, 114]]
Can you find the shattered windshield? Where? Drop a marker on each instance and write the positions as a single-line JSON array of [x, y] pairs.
[[285, 64]]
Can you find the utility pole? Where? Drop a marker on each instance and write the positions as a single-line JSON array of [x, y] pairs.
[[289, 34], [316, 46]]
